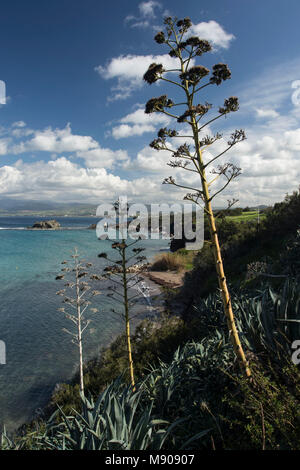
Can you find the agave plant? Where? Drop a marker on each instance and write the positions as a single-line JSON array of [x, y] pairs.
[[5, 442], [270, 320], [113, 422], [180, 389]]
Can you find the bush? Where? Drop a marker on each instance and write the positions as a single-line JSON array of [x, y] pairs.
[[168, 262], [265, 414]]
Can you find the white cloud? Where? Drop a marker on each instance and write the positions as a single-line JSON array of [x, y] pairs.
[[270, 167], [266, 113], [147, 13], [291, 140], [102, 157], [124, 130], [19, 124], [213, 32], [147, 8], [269, 158], [62, 180], [4, 146], [57, 140], [140, 117], [57, 179], [19, 129], [129, 71], [150, 160], [138, 123]]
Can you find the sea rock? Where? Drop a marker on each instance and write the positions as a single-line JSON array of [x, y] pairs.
[[46, 225]]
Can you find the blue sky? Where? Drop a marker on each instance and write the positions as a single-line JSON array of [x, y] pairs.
[[73, 127]]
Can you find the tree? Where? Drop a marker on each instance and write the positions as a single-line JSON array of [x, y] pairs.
[[191, 156], [77, 302]]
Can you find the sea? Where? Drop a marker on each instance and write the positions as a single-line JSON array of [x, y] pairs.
[[39, 354]]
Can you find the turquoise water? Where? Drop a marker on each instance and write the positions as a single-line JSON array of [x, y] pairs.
[[38, 353]]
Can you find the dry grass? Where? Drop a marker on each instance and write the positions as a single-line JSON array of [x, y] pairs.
[[168, 262]]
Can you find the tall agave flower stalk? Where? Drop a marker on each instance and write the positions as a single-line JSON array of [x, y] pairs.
[[122, 277], [121, 290], [193, 156], [76, 299]]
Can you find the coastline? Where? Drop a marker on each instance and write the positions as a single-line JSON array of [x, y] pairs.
[[156, 284], [151, 310], [38, 266]]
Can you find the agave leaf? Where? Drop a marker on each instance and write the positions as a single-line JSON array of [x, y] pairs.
[[197, 436]]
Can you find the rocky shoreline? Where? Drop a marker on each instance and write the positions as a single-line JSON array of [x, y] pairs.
[[168, 279]]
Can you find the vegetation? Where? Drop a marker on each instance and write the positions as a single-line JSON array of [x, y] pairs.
[[168, 262], [196, 398], [247, 216]]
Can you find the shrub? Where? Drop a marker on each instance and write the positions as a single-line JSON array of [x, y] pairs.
[[265, 414], [168, 262]]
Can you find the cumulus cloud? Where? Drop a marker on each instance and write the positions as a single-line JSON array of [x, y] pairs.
[[58, 141], [213, 32], [138, 123], [63, 180], [102, 157], [149, 160], [57, 179], [270, 167], [55, 140], [270, 164], [124, 130], [128, 70]]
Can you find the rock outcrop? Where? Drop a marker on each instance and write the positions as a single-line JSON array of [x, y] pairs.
[[46, 225]]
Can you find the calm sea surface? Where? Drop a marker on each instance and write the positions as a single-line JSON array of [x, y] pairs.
[[38, 353]]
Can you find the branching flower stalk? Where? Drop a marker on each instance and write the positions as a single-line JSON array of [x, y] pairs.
[[190, 157], [77, 303], [123, 281]]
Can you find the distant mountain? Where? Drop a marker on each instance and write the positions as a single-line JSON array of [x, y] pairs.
[[260, 207], [11, 206]]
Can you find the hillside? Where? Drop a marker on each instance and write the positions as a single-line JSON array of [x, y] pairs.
[[186, 371]]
